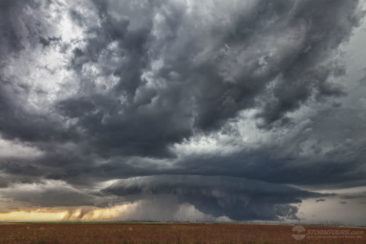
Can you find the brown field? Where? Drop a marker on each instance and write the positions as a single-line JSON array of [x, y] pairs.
[[97, 233]]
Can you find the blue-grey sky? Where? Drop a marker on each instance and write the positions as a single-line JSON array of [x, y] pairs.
[[205, 110]]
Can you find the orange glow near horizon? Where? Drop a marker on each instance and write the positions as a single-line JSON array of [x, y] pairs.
[[33, 215], [67, 214]]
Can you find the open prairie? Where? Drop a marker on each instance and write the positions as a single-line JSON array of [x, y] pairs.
[[123, 233]]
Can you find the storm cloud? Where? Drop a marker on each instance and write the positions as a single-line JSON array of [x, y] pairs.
[[239, 110], [235, 198]]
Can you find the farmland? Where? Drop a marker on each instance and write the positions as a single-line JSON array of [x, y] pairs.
[[126, 233]]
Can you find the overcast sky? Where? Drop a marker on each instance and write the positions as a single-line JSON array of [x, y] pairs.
[[212, 110]]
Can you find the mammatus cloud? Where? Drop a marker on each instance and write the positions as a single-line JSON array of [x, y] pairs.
[[218, 110]]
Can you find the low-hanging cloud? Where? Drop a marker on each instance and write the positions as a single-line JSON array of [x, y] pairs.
[[235, 198]]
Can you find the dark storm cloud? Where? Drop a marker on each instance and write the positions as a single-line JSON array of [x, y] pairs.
[[360, 196], [3, 182], [19, 29], [135, 126], [152, 74], [20, 124], [320, 200], [269, 166], [279, 52], [363, 79], [320, 154], [218, 196], [51, 196], [7, 180], [12, 28]]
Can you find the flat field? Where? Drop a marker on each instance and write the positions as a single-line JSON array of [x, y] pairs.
[[128, 233]]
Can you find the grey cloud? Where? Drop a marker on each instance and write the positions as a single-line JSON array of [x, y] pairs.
[[320, 200], [11, 26], [55, 197], [363, 79], [165, 208], [264, 166], [48, 196], [360, 195], [157, 73], [21, 29], [235, 198], [3, 181], [279, 52]]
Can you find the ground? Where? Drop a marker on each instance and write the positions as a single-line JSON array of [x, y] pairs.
[[151, 233]]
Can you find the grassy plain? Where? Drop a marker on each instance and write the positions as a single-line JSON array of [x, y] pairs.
[[150, 233]]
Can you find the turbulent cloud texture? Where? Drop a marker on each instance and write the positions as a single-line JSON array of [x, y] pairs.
[[226, 110]]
